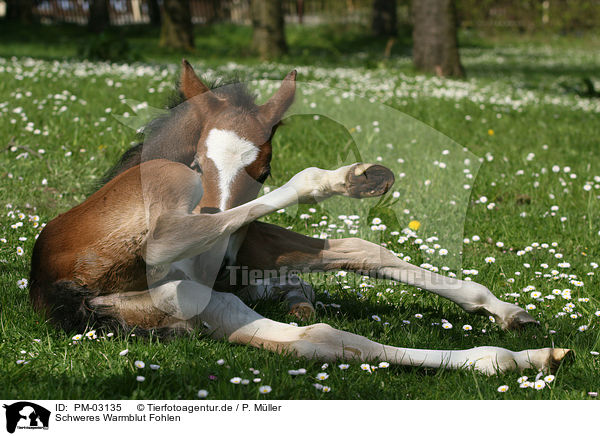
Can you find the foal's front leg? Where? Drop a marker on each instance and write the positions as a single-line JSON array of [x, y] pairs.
[[270, 247], [175, 233]]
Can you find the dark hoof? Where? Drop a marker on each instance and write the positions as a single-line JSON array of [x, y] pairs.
[[520, 320], [365, 180]]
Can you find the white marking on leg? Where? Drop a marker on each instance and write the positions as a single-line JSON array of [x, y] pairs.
[[192, 234], [182, 299], [228, 317], [230, 154]]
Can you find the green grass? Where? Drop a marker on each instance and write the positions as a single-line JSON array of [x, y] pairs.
[[544, 117]]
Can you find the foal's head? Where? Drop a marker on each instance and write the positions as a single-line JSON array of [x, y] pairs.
[[233, 152]]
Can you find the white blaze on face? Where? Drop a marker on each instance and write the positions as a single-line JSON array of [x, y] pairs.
[[230, 154]]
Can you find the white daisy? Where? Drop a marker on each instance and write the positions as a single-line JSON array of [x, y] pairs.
[[264, 389]]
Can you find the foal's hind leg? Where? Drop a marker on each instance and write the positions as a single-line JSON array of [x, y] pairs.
[[187, 303], [295, 292], [270, 247]]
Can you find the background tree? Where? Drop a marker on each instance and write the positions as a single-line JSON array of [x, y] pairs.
[[385, 18], [19, 10], [177, 31], [99, 16], [435, 46], [268, 38], [154, 12]]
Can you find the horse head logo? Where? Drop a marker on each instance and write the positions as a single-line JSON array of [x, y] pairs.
[[29, 415]]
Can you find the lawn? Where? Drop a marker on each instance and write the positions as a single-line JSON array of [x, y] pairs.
[[525, 217]]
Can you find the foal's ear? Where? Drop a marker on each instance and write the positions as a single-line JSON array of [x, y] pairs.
[[272, 111], [190, 85]]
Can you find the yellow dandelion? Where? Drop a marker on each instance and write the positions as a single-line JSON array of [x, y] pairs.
[[414, 225], [490, 132]]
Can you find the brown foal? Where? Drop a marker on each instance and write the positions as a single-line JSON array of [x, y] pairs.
[[152, 247]]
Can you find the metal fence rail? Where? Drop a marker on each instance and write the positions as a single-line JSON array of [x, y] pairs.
[[128, 12], [558, 14]]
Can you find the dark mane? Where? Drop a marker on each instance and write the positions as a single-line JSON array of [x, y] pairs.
[[237, 94], [233, 90]]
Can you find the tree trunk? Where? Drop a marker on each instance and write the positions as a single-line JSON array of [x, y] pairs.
[[267, 20], [177, 31], [385, 18], [19, 10], [99, 17], [12, 10], [154, 12], [224, 11], [300, 10], [435, 47]]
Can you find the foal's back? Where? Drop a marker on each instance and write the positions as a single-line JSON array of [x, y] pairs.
[[96, 248]]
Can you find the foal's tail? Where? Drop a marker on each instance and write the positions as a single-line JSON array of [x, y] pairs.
[[75, 308], [69, 306]]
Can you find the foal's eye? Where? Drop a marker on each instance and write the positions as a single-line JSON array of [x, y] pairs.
[[196, 166], [263, 176]]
